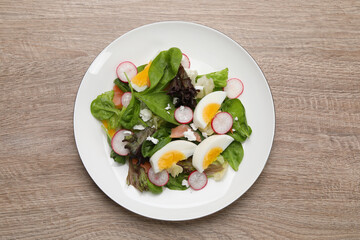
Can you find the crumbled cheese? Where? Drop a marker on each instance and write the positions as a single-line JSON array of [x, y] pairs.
[[185, 183], [138, 127], [190, 135], [175, 99], [182, 108], [193, 126], [233, 130], [153, 140], [168, 112], [153, 126], [145, 114], [204, 134], [199, 88], [192, 74], [236, 118], [168, 107]]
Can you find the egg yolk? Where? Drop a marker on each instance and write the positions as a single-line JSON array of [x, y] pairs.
[[209, 111], [110, 131], [169, 158], [211, 156], [142, 78]]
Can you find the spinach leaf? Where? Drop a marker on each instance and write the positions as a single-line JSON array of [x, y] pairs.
[[219, 78], [103, 108], [176, 183], [234, 154], [237, 110], [153, 188], [157, 102], [164, 68], [131, 114], [148, 148], [114, 121], [141, 67], [123, 86], [117, 158]]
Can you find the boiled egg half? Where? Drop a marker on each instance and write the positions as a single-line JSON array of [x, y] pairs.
[[207, 108], [171, 153], [209, 149], [141, 80]]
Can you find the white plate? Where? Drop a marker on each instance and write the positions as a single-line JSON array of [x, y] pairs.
[[208, 50]]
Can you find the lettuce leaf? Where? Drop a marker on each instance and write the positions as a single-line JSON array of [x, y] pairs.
[[219, 78], [237, 110], [103, 108], [234, 154]]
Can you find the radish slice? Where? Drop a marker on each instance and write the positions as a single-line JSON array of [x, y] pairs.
[[222, 122], [234, 88], [184, 115], [197, 180], [126, 69], [125, 99], [117, 143], [158, 179], [185, 61]]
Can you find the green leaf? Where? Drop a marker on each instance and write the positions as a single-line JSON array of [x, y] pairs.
[[234, 154], [157, 102], [237, 110], [103, 108], [176, 183], [141, 67], [219, 78], [164, 68], [123, 86], [148, 148], [131, 114], [117, 158], [153, 188]]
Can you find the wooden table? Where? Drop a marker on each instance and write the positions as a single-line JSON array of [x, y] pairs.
[[309, 52]]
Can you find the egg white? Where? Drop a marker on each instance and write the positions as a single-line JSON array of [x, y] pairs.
[[185, 147], [222, 141], [214, 97]]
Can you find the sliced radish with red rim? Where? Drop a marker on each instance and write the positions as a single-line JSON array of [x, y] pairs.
[[125, 99], [197, 180], [185, 61], [158, 179], [184, 114], [118, 143], [234, 88], [125, 71], [222, 122]]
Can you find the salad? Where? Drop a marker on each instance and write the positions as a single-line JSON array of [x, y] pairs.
[[173, 127]]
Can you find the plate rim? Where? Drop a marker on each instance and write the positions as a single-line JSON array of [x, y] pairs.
[[273, 114]]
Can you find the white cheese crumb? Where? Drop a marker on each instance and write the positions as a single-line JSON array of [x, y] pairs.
[[204, 134], [168, 112], [168, 107], [182, 108], [153, 126], [153, 140], [236, 119], [185, 183], [192, 74], [138, 127], [199, 88], [193, 126], [190, 135], [145, 114], [175, 100], [233, 130]]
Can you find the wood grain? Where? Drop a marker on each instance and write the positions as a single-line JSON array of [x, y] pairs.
[[309, 52]]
